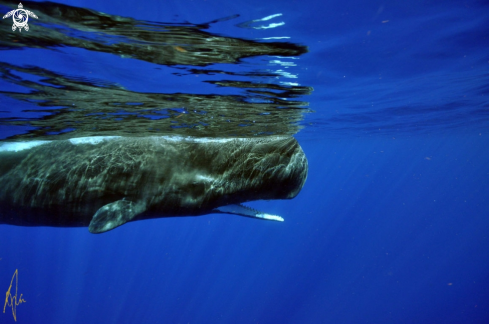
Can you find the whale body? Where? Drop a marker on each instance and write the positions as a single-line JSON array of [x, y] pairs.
[[105, 182]]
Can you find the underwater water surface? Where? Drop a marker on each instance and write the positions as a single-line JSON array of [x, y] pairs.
[[389, 101]]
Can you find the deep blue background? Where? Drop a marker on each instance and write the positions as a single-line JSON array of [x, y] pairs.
[[392, 225]]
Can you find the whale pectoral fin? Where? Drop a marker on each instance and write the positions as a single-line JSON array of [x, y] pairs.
[[113, 215], [248, 212]]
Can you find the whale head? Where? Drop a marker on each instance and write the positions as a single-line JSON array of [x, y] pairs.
[[275, 168]]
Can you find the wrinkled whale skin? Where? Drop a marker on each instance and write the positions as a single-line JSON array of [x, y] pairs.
[[64, 183]]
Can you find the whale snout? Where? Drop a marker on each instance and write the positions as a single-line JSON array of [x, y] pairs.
[[285, 171], [297, 171], [293, 176]]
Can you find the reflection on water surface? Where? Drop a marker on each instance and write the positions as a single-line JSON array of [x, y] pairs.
[[266, 99]]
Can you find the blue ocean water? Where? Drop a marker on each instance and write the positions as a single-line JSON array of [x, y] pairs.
[[391, 226]]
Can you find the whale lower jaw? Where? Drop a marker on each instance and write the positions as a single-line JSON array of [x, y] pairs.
[[241, 210]]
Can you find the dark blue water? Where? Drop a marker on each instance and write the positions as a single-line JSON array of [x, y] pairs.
[[391, 226]]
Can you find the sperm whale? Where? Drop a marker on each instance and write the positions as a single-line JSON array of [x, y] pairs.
[[105, 182]]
